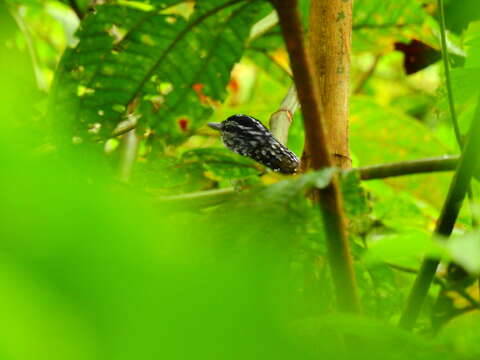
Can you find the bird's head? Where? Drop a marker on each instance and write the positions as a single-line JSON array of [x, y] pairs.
[[240, 126]]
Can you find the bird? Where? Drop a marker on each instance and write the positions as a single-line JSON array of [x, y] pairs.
[[247, 136]]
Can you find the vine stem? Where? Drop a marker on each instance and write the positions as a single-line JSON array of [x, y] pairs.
[[446, 221], [448, 82], [338, 251]]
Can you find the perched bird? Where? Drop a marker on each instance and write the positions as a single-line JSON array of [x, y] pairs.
[[247, 136]]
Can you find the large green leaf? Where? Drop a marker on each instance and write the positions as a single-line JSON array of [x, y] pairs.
[[378, 24], [381, 134], [465, 80], [165, 64], [465, 250]]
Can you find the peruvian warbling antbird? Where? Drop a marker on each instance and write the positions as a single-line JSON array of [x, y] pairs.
[[247, 136]]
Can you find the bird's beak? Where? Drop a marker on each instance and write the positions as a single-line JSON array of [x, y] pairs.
[[215, 126]]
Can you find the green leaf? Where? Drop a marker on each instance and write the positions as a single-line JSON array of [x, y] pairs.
[[465, 80], [355, 203], [371, 339], [170, 69], [377, 24], [465, 251], [286, 190], [405, 248], [462, 335], [222, 164], [382, 134], [354, 194]]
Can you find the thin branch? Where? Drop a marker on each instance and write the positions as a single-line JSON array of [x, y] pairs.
[[128, 155], [435, 164], [439, 281], [446, 221], [448, 82], [467, 297], [124, 127], [200, 199], [413, 271], [381, 26], [421, 166], [263, 26], [281, 119], [337, 241]]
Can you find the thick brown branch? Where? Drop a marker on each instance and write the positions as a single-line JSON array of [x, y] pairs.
[[337, 241]]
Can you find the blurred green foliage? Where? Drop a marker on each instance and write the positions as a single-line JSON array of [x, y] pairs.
[[92, 267]]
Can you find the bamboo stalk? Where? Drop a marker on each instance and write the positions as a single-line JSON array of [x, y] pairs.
[[337, 241], [329, 42]]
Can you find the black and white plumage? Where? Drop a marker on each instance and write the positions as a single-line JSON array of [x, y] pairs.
[[247, 136]]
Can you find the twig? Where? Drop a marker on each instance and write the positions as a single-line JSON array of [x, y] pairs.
[[200, 199], [263, 26], [381, 26], [281, 119], [413, 271], [467, 297], [446, 221], [129, 148], [448, 83], [439, 281], [125, 126], [435, 164], [337, 241]]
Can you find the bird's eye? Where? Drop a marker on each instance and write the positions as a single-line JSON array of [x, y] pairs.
[[230, 128]]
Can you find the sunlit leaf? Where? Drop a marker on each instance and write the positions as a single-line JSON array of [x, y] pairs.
[[170, 69]]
